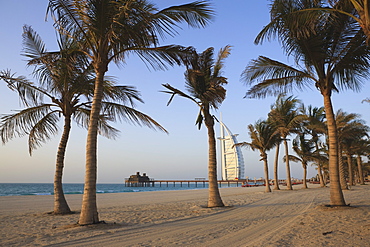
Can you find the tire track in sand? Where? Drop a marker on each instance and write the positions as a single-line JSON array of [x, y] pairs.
[[245, 225]]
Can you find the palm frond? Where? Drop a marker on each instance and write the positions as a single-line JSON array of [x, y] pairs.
[[292, 158], [199, 120], [196, 14], [105, 129], [22, 122], [275, 78], [174, 91], [29, 94], [114, 111], [244, 144], [160, 58], [219, 64], [33, 46], [122, 94], [43, 130]]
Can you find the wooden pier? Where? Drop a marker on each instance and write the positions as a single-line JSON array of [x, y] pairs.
[[196, 182]]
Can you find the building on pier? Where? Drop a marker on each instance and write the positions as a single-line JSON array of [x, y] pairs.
[[139, 180]]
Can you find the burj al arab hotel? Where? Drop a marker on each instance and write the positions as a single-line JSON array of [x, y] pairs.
[[232, 162]]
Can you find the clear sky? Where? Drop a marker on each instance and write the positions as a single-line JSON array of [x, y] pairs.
[[183, 153]]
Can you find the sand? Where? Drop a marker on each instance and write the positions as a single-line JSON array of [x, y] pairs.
[[179, 218]]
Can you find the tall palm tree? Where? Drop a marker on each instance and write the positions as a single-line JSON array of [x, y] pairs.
[[263, 138], [108, 31], [332, 57], [66, 81], [284, 116], [314, 125], [204, 84]]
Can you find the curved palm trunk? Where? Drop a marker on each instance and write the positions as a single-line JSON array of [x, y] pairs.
[[319, 169], [336, 193], [288, 178], [321, 177], [214, 198], [89, 211], [60, 203], [360, 172], [350, 172], [276, 164], [342, 173], [304, 175], [266, 169]]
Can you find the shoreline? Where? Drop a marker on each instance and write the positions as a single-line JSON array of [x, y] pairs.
[[179, 218]]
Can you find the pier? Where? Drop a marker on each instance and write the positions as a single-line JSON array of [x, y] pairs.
[[181, 183], [138, 180], [197, 182]]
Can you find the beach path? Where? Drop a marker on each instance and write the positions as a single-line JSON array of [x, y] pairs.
[[239, 225]]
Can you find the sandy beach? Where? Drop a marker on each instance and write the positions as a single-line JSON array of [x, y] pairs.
[[179, 218]]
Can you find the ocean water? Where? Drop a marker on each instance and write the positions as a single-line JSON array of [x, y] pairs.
[[21, 189]]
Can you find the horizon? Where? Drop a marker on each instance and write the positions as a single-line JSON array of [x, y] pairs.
[[184, 151]]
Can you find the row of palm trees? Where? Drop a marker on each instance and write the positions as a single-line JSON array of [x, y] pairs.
[[287, 117], [328, 46]]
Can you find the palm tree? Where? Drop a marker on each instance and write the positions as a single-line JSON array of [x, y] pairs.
[[305, 152], [108, 31], [332, 57], [315, 126], [361, 147], [285, 118], [350, 129], [205, 86], [67, 81], [264, 137]]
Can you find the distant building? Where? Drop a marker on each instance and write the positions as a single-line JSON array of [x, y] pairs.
[[232, 162], [138, 180]]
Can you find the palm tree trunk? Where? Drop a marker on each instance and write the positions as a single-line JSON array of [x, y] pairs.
[[89, 211], [360, 172], [60, 203], [319, 170], [336, 193], [288, 176], [266, 169], [321, 178], [350, 171], [304, 176], [276, 164], [214, 197], [356, 179], [342, 173]]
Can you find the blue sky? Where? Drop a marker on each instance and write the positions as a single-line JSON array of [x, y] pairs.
[[182, 154]]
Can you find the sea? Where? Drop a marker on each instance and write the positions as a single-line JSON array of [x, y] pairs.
[[23, 189]]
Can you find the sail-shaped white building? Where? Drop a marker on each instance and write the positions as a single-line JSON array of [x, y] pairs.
[[232, 162]]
